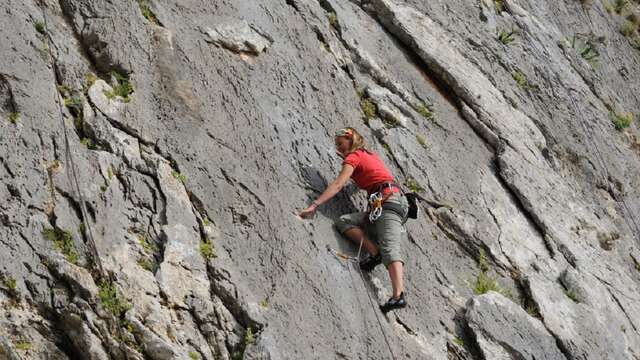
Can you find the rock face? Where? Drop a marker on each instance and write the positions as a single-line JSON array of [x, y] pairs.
[[154, 153]]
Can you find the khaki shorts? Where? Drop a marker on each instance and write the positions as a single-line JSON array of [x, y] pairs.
[[388, 231]]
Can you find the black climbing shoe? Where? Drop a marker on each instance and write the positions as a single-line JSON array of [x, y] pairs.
[[371, 262], [394, 303]]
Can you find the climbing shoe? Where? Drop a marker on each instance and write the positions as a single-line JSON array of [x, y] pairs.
[[394, 303], [371, 262]]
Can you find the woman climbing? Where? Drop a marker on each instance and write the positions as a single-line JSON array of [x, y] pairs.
[[388, 210]]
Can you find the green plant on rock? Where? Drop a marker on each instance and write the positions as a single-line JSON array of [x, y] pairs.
[[571, 295], [89, 80], [532, 311], [425, 110], [122, 87], [264, 303], [147, 246], [111, 299], [521, 79], [506, 37], [368, 108], [73, 102], [621, 121], [333, 19], [458, 341], [88, 143], [413, 185], [181, 177], [207, 250], [22, 345], [40, 27], [620, 5], [146, 12], [13, 117], [147, 264], [484, 282], [63, 241], [390, 122], [586, 48], [246, 341], [421, 140], [10, 284], [628, 28], [499, 5], [194, 355]]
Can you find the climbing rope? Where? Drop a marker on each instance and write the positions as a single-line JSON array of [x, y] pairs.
[[635, 229], [68, 155], [355, 260]]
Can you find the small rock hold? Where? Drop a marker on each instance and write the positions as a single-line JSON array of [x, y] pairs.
[[239, 36]]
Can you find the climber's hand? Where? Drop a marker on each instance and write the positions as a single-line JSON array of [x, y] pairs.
[[308, 212]]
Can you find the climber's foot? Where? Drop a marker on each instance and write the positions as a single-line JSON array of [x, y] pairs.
[[371, 262], [394, 303]]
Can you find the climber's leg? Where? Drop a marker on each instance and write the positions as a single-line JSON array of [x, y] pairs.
[[351, 226]]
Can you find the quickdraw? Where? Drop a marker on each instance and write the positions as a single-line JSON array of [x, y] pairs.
[[375, 206]]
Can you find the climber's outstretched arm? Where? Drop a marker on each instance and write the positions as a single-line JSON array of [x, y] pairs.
[[331, 190]]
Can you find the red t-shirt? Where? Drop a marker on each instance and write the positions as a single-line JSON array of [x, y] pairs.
[[369, 170]]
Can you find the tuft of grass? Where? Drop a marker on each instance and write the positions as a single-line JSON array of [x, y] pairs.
[[207, 250], [74, 102], [181, 177], [571, 295], [458, 341], [40, 27], [333, 19], [413, 185], [521, 79], [111, 299], [148, 247], [122, 87], [368, 108], [146, 12], [586, 49], [499, 5], [22, 345], [264, 303], [194, 355], [533, 311], [13, 117], [147, 264], [621, 121], [628, 28], [620, 5], [425, 111], [246, 341], [421, 140], [88, 143], [10, 284], [89, 79], [506, 37], [389, 122], [63, 241], [484, 282]]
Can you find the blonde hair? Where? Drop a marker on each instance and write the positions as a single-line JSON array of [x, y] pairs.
[[357, 141]]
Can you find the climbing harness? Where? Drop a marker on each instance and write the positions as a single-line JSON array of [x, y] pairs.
[[376, 199]]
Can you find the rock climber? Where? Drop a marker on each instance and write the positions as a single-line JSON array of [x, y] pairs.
[[388, 210]]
